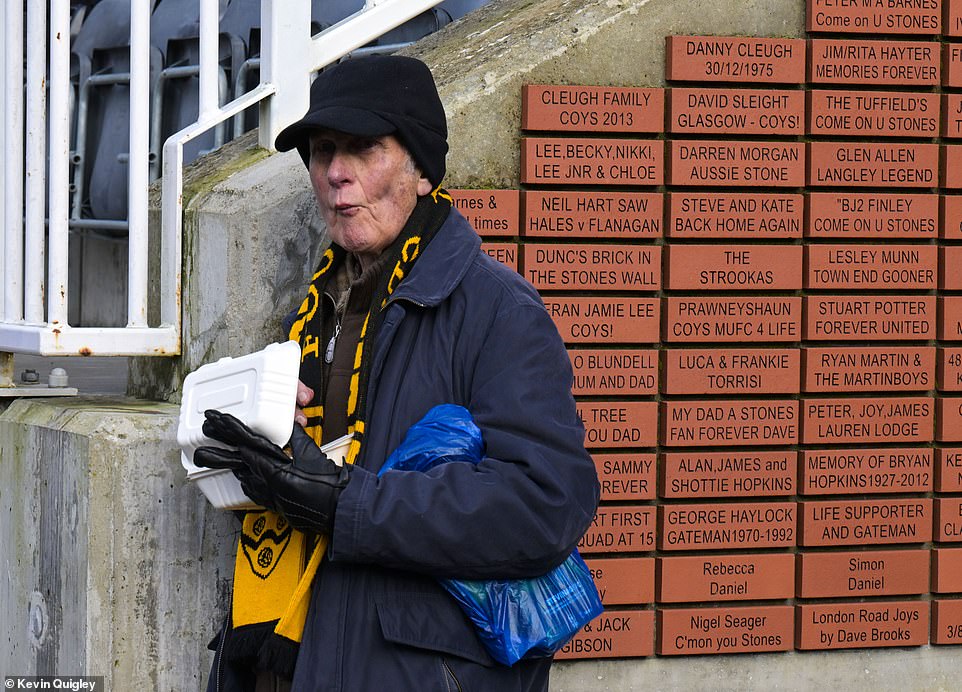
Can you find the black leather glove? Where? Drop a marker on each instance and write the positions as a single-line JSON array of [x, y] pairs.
[[304, 490]]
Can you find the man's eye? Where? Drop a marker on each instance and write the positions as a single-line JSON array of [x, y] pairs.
[[364, 144], [323, 149]]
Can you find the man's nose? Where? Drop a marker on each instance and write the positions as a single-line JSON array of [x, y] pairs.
[[340, 170]]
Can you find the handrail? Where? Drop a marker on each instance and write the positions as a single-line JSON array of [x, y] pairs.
[[36, 214]]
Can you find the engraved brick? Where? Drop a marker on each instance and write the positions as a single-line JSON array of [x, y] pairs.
[[578, 267], [727, 320], [686, 631], [734, 215], [881, 63], [727, 526], [699, 475], [734, 267], [951, 177], [865, 522], [506, 253], [952, 19], [556, 160], [890, 318], [492, 213], [736, 112], [888, 266], [614, 372], [946, 621], [863, 574], [873, 164], [623, 529], [726, 423], [873, 113], [947, 570], [870, 369], [948, 470], [864, 420], [725, 163], [619, 424], [593, 214], [948, 519], [862, 625], [849, 471], [951, 217], [735, 59], [725, 578], [605, 320], [614, 634], [950, 268], [949, 370], [848, 18], [871, 215], [625, 477], [731, 371], [952, 64], [948, 414], [591, 108], [950, 318], [624, 580], [952, 115]]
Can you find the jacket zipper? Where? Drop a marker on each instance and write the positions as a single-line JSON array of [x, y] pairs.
[[447, 668], [220, 653]]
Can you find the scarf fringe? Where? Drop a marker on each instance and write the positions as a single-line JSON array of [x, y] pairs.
[[246, 642], [278, 654]]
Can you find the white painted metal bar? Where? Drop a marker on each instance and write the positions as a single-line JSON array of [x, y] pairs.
[[100, 341], [285, 46], [13, 162], [138, 165], [35, 200], [209, 26], [59, 165]]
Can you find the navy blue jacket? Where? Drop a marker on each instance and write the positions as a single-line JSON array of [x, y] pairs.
[[464, 329]]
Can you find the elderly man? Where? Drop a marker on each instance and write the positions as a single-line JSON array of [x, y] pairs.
[[405, 312]]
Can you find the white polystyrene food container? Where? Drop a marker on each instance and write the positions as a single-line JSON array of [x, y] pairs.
[[260, 389]]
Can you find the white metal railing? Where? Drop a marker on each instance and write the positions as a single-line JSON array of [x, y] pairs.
[[34, 286]]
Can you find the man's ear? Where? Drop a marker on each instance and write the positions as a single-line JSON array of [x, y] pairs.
[[424, 186]]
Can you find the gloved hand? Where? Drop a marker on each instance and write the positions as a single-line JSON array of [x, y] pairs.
[[304, 490]]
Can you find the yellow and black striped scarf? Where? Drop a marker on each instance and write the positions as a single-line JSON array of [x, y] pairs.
[[276, 564]]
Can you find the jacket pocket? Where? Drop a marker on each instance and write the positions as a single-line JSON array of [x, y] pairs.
[[431, 621]]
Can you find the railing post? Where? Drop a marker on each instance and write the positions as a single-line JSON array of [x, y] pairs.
[[138, 164], [59, 153], [285, 41], [35, 188]]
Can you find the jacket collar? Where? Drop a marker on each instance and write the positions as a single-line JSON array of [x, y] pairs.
[[444, 263]]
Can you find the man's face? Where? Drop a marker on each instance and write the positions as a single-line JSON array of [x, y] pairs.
[[366, 188]]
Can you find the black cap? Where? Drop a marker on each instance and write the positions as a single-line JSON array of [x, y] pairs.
[[373, 96]]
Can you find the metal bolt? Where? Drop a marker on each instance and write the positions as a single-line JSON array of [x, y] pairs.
[[58, 378], [30, 376]]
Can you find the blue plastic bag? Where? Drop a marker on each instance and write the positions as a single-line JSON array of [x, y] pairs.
[[515, 618]]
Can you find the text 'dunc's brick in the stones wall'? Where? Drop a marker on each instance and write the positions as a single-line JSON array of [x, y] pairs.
[[889, 317], [872, 267], [868, 471], [561, 108], [873, 62], [624, 580], [873, 113], [614, 634], [724, 163], [626, 475], [863, 574], [871, 215], [850, 17], [865, 522], [735, 215], [595, 214], [727, 526], [862, 625], [686, 631], [869, 369], [867, 420], [728, 112], [871, 164], [575, 267], [743, 59], [754, 577], [726, 320], [570, 161], [701, 474], [734, 267]]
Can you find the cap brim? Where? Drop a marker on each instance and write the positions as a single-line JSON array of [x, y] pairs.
[[353, 121]]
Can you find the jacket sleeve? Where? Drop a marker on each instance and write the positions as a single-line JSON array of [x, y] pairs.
[[518, 513]]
